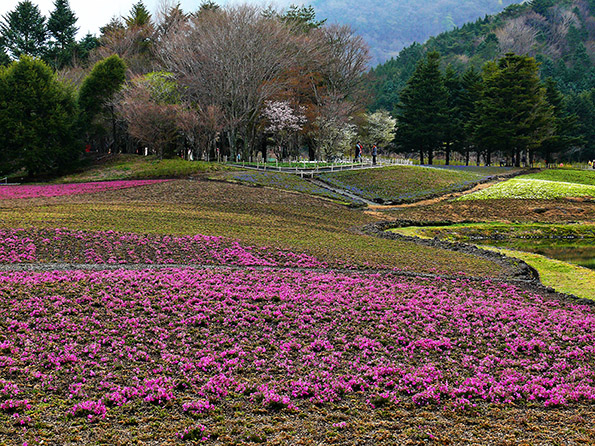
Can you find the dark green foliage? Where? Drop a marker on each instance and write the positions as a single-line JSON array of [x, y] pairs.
[[567, 134], [97, 116], [85, 46], [453, 135], [542, 6], [61, 24], [62, 31], [512, 115], [471, 89], [106, 78], [139, 16], [4, 59], [583, 106], [303, 17], [37, 119], [24, 31], [422, 110]]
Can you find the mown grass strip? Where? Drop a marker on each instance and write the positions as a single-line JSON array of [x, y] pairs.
[[405, 183], [565, 175]]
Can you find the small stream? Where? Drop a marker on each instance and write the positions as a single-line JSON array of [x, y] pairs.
[[577, 251]]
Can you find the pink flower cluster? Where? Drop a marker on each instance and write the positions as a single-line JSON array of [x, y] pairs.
[[57, 190], [197, 338], [63, 245]]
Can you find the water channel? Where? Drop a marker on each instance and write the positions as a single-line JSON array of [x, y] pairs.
[[577, 251]]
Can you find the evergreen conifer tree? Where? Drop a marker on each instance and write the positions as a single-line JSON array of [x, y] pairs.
[[566, 134], [453, 124], [62, 30], [422, 109], [37, 119], [24, 31], [471, 85], [513, 114], [139, 16]]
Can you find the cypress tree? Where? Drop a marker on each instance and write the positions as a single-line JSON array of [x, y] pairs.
[[97, 90], [24, 31]]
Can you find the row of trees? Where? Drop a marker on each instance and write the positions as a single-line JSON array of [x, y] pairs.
[[504, 111], [43, 118], [238, 81], [25, 31]]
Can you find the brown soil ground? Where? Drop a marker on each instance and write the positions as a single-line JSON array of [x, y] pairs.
[[545, 211]]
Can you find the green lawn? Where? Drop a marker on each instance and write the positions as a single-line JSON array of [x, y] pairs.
[[128, 167], [278, 180]]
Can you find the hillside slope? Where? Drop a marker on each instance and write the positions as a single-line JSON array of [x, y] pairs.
[[390, 25], [561, 35]]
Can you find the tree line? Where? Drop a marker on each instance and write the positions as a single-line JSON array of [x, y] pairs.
[[559, 35], [241, 82], [504, 114]]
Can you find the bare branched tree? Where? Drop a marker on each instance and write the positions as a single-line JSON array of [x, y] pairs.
[[233, 59]]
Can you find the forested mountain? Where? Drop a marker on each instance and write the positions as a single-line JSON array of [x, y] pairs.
[[390, 25], [559, 34]]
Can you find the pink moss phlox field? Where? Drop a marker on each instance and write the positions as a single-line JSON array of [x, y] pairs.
[[109, 247], [194, 339], [57, 190]]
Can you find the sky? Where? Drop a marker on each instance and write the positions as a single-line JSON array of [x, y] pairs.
[[93, 14]]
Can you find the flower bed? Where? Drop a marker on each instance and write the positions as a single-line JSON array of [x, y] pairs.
[[66, 246], [191, 341], [532, 189], [283, 181], [56, 190], [404, 183]]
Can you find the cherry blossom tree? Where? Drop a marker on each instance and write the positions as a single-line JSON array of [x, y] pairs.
[[283, 122]]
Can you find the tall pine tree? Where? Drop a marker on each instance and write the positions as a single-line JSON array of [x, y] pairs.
[[422, 109], [62, 31], [24, 31], [513, 115]]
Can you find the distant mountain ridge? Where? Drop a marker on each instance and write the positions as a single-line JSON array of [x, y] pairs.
[[388, 26], [560, 34]]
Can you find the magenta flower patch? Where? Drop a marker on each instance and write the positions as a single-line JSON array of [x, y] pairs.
[[57, 190], [195, 339]]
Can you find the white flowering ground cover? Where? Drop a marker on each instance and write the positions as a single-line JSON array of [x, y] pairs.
[[532, 189]]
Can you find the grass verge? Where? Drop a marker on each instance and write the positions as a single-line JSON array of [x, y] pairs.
[[127, 167], [561, 276]]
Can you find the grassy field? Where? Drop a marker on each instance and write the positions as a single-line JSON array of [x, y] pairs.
[[219, 313], [562, 276], [408, 183], [566, 176], [129, 167]]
